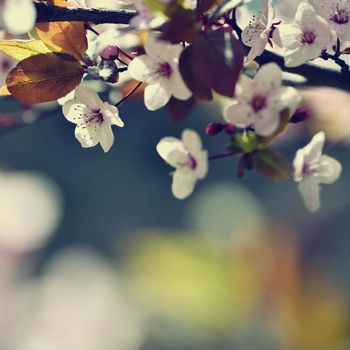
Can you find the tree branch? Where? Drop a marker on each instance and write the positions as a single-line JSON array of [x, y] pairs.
[[49, 13], [315, 76]]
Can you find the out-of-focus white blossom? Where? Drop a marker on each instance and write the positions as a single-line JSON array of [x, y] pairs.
[[18, 15], [79, 304], [311, 169], [159, 69], [93, 117], [188, 158], [337, 13], [286, 10], [306, 38], [260, 101], [30, 209], [257, 34]]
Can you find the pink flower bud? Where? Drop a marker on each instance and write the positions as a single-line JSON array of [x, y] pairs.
[[110, 52], [213, 129], [301, 114], [230, 129]]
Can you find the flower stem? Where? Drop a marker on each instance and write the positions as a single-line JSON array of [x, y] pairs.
[[121, 61], [125, 54], [129, 94], [222, 155]]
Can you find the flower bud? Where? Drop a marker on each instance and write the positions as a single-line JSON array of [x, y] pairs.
[[230, 129], [110, 52], [213, 129], [301, 114]]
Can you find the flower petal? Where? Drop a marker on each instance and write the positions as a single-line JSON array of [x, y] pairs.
[[298, 165], [269, 11], [285, 97], [267, 123], [155, 48], [257, 49], [183, 183], [313, 150], [310, 193], [143, 68], [112, 114], [239, 114], [268, 77], [201, 170], [252, 33], [88, 97], [73, 111], [178, 87], [172, 151], [306, 14], [289, 35], [191, 141], [156, 96], [106, 137], [328, 171], [88, 136]]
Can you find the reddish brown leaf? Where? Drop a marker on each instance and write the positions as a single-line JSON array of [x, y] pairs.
[[65, 37], [44, 77]]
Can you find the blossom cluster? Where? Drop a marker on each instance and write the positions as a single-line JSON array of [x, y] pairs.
[[315, 28], [182, 57]]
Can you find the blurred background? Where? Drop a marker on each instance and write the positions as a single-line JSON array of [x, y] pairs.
[[96, 253]]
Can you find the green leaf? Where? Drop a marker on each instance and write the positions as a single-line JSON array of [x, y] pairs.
[[272, 165], [21, 49]]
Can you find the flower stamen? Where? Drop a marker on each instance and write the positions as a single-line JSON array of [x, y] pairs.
[[258, 103], [165, 69], [96, 117], [308, 37]]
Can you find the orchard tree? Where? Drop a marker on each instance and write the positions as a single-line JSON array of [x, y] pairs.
[[176, 53]]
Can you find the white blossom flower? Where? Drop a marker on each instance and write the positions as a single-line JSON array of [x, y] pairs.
[[77, 303], [188, 158], [18, 15], [259, 101], [159, 69], [30, 210], [306, 38], [257, 34], [337, 13], [311, 169], [93, 117]]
